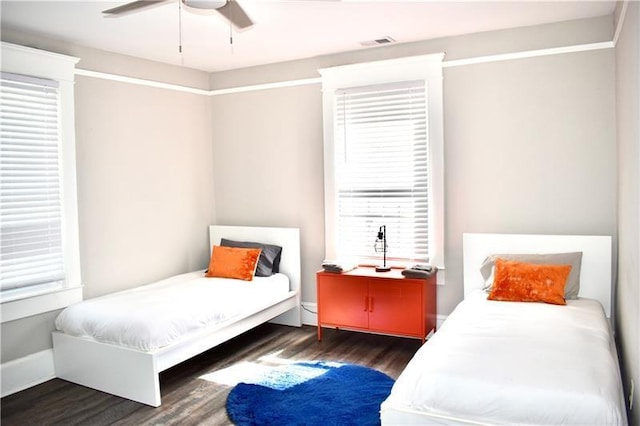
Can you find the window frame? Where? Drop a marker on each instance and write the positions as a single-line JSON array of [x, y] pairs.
[[427, 68], [28, 301]]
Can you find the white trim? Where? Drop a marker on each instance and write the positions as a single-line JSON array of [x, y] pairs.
[[39, 63], [435, 114], [25, 372], [425, 68], [192, 90], [529, 54], [140, 81], [318, 80], [440, 319], [265, 86], [419, 67], [620, 23], [37, 304]]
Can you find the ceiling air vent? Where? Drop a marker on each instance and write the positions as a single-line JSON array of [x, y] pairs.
[[378, 41]]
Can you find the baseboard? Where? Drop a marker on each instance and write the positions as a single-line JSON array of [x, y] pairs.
[[310, 315], [25, 372]]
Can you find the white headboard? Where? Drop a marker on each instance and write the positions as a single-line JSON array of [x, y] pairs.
[[287, 238], [595, 272]]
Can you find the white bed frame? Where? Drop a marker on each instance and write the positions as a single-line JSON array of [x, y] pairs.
[[595, 283], [134, 374], [595, 272]]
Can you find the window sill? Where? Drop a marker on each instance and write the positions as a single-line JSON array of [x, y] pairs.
[[35, 304]]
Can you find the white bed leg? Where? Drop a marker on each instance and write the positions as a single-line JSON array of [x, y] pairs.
[[119, 371]]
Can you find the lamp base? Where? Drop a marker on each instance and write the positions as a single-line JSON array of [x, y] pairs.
[[382, 269]]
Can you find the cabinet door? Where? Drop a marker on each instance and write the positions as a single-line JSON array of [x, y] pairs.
[[396, 307], [342, 301]]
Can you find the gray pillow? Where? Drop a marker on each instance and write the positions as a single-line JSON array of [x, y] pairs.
[[269, 261], [572, 287]]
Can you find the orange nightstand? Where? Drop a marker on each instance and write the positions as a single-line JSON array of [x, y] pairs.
[[379, 302]]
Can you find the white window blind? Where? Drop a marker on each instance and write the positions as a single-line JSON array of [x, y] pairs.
[[381, 169], [31, 213]]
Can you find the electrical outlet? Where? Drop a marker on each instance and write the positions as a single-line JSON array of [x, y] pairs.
[[631, 395]]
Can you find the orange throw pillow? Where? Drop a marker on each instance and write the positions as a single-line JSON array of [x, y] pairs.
[[233, 262], [528, 282]]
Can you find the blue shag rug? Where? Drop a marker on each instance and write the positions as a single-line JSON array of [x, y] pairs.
[[311, 393]]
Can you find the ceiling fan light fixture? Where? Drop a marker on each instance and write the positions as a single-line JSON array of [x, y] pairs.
[[229, 9], [205, 4]]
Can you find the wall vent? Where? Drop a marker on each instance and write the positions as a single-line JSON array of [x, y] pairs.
[[378, 41]]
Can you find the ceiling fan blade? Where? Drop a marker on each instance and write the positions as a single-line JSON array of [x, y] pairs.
[[131, 7], [235, 14]]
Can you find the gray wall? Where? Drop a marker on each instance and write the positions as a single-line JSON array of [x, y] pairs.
[[529, 148], [628, 133], [268, 166], [529, 144], [145, 181]]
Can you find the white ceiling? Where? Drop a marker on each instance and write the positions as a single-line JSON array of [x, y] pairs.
[[283, 30]]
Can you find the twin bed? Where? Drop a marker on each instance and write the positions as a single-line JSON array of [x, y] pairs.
[[508, 362], [490, 363], [119, 343]]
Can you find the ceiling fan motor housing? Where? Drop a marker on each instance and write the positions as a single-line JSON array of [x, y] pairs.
[[205, 4]]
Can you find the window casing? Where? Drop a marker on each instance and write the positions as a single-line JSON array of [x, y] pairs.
[[384, 159], [39, 256]]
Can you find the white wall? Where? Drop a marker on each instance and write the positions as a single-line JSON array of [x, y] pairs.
[[628, 131]]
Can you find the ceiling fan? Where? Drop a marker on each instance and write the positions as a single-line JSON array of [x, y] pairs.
[[229, 9]]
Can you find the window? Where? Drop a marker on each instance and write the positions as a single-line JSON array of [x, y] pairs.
[[383, 159], [38, 208], [30, 184]]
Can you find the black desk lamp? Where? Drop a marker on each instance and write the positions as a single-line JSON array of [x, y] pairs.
[[381, 246]]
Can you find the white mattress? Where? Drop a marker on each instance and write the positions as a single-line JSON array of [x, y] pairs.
[[507, 363], [155, 315]]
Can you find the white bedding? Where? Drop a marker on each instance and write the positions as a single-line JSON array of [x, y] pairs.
[[512, 363], [150, 317]]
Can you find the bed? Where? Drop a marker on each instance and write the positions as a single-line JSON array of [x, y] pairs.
[[506, 363], [120, 363]]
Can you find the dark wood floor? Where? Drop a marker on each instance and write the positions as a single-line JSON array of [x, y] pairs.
[[188, 399]]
